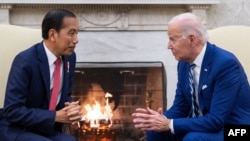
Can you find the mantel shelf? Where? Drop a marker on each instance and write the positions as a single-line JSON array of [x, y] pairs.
[[105, 15], [152, 2]]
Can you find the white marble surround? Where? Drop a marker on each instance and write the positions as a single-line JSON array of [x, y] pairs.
[[110, 1], [114, 30], [104, 14]]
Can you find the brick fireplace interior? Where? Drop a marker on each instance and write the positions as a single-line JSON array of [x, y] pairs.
[[131, 84]]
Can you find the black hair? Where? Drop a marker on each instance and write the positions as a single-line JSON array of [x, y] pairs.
[[54, 20]]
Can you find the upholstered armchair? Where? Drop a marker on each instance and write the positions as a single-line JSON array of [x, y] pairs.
[[13, 39], [235, 38]]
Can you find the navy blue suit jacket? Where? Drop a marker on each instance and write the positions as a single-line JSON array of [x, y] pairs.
[[28, 92], [223, 91]]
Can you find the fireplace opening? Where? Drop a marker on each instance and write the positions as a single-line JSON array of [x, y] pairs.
[[110, 92]]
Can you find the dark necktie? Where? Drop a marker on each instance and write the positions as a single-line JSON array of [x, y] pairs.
[[195, 107], [56, 85]]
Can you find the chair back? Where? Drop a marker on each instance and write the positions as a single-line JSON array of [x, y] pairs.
[[13, 39], [236, 39]]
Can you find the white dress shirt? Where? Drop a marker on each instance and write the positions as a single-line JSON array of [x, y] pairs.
[[51, 59]]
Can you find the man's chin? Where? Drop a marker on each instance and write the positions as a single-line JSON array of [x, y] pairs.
[[68, 53], [176, 58]]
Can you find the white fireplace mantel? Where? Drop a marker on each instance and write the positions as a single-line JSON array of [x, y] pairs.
[[121, 27], [104, 15], [110, 1]]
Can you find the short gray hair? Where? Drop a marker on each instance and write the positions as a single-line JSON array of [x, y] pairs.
[[191, 25]]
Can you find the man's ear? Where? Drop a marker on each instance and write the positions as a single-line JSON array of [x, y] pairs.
[[52, 34], [193, 40]]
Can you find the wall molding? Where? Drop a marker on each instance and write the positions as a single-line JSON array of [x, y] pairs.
[[110, 2], [107, 15]]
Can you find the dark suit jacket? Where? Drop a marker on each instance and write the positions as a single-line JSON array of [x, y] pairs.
[[224, 94], [28, 92]]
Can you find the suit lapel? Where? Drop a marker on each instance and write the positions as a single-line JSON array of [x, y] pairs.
[[65, 72], [44, 68], [65, 80], [205, 67]]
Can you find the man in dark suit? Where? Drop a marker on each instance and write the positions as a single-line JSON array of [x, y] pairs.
[[27, 112], [219, 94]]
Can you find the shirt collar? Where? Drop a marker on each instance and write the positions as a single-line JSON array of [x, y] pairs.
[[51, 57], [199, 58]]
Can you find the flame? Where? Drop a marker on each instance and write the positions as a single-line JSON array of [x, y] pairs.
[[97, 116]]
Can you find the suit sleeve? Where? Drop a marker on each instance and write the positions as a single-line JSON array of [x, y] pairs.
[[223, 83], [18, 109], [181, 106]]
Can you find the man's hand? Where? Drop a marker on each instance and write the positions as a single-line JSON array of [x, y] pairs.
[[71, 113], [147, 119]]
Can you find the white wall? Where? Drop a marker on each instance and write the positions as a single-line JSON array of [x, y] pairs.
[[229, 12]]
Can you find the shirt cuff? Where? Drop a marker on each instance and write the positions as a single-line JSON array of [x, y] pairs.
[[171, 126]]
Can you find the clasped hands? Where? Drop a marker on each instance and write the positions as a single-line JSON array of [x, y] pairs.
[[71, 113], [148, 119]]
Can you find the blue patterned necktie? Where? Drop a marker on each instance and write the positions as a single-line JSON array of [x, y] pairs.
[[195, 107]]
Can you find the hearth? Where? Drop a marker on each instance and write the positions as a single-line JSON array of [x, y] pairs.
[[109, 92]]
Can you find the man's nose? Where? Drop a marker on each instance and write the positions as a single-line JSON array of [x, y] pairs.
[[75, 40], [169, 46]]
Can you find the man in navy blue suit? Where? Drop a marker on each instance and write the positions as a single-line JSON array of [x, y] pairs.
[[221, 89], [26, 115]]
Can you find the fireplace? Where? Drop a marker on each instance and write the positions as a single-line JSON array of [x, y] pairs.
[[123, 87]]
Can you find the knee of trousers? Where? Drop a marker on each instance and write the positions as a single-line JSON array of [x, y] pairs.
[[192, 136]]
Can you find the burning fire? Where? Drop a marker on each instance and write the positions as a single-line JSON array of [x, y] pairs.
[[97, 116]]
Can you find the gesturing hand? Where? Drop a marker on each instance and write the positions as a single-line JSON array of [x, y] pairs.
[[148, 119], [71, 113]]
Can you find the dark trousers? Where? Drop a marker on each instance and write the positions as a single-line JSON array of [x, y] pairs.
[[16, 134], [58, 136], [161, 136], [191, 136]]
